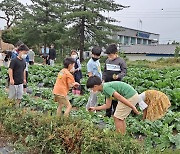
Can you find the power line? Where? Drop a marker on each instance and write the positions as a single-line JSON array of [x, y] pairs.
[[125, 11], [159, 13], [169, 38], [151, 17], [160, 9]]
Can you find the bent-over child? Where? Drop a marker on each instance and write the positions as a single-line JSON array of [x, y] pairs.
[[154, 104], [126, 95]]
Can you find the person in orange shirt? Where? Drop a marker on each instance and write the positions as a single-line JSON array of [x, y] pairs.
[[64, 82]]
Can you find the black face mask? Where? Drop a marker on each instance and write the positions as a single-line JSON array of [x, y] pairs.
[[95, 59]]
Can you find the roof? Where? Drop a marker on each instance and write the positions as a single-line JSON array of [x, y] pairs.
[[139, 30], [149, 49]]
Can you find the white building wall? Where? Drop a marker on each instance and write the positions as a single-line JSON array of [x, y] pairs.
[[127, 32]]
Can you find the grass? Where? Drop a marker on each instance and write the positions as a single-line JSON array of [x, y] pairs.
[[161, 63]]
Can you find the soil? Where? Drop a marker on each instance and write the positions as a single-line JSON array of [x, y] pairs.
[[5, 148]]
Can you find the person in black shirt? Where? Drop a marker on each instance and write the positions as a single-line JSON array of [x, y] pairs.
[[114, 70], [52, 55], [17, 74]]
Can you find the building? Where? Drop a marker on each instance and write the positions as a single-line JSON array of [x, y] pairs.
[[128, 36], [148, 52]]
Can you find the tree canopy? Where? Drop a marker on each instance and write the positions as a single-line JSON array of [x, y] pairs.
[[13, 11], [77, 24]]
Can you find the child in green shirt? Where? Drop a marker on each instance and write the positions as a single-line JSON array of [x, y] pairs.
[[126, 95]]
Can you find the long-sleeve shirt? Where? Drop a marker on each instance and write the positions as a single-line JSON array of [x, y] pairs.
[[116, 66]]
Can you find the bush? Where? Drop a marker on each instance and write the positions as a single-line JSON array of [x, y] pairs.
[[42, 133]]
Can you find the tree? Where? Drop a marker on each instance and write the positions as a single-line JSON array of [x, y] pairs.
[[12, 35], [87, 23], [13, 11], [175, 43], [46, 17], [177, 51], [41, 24]]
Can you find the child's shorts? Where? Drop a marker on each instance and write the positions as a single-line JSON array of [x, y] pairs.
[[16, 91], [122, 110], [62, 100]]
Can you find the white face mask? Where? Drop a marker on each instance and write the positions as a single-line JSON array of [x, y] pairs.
[[72, 70], [74, 56], [24, 56]]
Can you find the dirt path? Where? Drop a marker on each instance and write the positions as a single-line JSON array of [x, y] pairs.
[[4, 146]]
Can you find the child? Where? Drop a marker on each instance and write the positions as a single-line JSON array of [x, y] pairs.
[[125, 94], [77, 71], [154, 104], [15, 50], [94, 68], [17, 74], [64, 82], [114, 70]]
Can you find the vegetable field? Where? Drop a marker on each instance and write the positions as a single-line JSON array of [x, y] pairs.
[[36, 129]]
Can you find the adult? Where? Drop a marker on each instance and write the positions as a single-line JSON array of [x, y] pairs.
[[26, 59], [76, 71], [45, 53], [31, 55], [52, 55]]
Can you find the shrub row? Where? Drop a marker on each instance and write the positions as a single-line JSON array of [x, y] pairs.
[[42, 133]]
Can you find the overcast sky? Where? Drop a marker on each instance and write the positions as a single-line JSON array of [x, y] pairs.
[[156, 16]]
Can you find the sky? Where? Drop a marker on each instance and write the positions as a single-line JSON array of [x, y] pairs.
[[155, 16]]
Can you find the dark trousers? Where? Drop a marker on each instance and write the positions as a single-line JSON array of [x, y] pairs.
[[77, 78], [112, 109], [31, 63]]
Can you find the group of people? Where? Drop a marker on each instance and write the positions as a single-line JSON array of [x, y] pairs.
[[18, 61], [7, 56], [121, 98], [48, 55]]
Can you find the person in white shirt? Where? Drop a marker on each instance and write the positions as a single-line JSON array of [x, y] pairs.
[[2, 57], [31, 55]]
